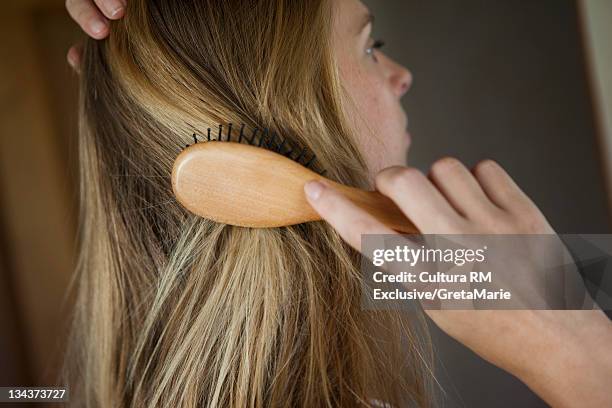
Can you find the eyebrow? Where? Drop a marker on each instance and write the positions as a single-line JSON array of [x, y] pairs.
[[367, 19]]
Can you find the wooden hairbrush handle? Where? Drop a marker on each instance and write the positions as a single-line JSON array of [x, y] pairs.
[[248, 186]]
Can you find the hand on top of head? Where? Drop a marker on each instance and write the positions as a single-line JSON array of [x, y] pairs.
[[93, 17]]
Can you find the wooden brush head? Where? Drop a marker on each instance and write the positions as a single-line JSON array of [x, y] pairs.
[[242, 185]]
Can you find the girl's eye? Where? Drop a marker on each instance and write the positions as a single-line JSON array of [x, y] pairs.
[[378, 44]]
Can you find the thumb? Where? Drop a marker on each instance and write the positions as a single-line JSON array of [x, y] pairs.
[[342, 214]]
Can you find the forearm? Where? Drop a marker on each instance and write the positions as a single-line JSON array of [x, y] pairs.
[[572, 367]]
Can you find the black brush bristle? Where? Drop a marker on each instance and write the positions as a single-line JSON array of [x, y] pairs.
[[273, 143], [241, 134], [282, 145], [253, 137], [267, 139], [263, 137], [289, 152], [310, 161], [299, 158]]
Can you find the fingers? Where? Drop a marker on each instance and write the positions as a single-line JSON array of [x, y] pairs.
[[454, 201], [349, 220], [88, 17], [74, 57], [501, 188], [92, 17], [460, 188], [113, 9], [420, 200]]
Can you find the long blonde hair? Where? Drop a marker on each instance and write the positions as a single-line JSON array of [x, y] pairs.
[[175, 310]]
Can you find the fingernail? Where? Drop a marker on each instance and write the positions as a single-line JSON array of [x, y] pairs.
[[314, 189], [116, 11], [97, 26]]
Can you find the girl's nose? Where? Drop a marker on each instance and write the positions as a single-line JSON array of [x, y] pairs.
[[400, 77]]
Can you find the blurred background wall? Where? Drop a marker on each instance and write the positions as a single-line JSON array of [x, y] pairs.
[[522, 82], [37, 187]]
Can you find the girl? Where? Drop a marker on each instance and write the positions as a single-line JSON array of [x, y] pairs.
[[175, 310]]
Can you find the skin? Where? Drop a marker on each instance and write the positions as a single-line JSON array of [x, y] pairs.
[[374, 85], [563, 356], [93, 16]]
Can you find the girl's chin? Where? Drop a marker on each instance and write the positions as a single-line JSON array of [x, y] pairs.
[[402, 154], [396, 160], [397, 156]]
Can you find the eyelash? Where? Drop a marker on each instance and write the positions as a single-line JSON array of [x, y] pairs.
[[378, 44]]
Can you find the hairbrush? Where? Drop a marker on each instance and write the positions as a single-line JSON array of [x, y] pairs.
[[257, 180]]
